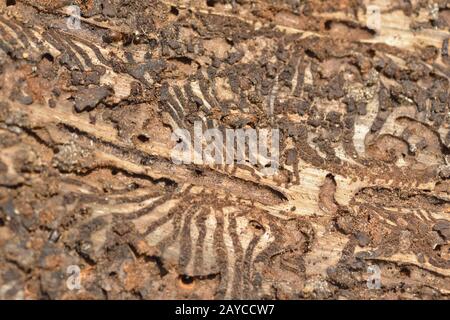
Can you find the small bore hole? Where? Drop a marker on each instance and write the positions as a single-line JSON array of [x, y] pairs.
[[143, 138], [186, 279], [174, 10]]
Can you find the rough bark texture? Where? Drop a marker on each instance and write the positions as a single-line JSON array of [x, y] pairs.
[[86, 177]]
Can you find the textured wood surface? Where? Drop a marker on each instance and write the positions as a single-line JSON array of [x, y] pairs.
[[86, 176]]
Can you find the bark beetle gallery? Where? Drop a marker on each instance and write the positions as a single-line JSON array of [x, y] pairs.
[[92, 206]]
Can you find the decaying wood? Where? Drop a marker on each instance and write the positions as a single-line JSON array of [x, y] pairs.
[[86, 176]]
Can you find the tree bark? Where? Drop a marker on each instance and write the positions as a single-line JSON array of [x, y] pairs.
[[359, 204]]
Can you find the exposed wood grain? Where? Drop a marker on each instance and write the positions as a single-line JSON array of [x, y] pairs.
[[87, 179]]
